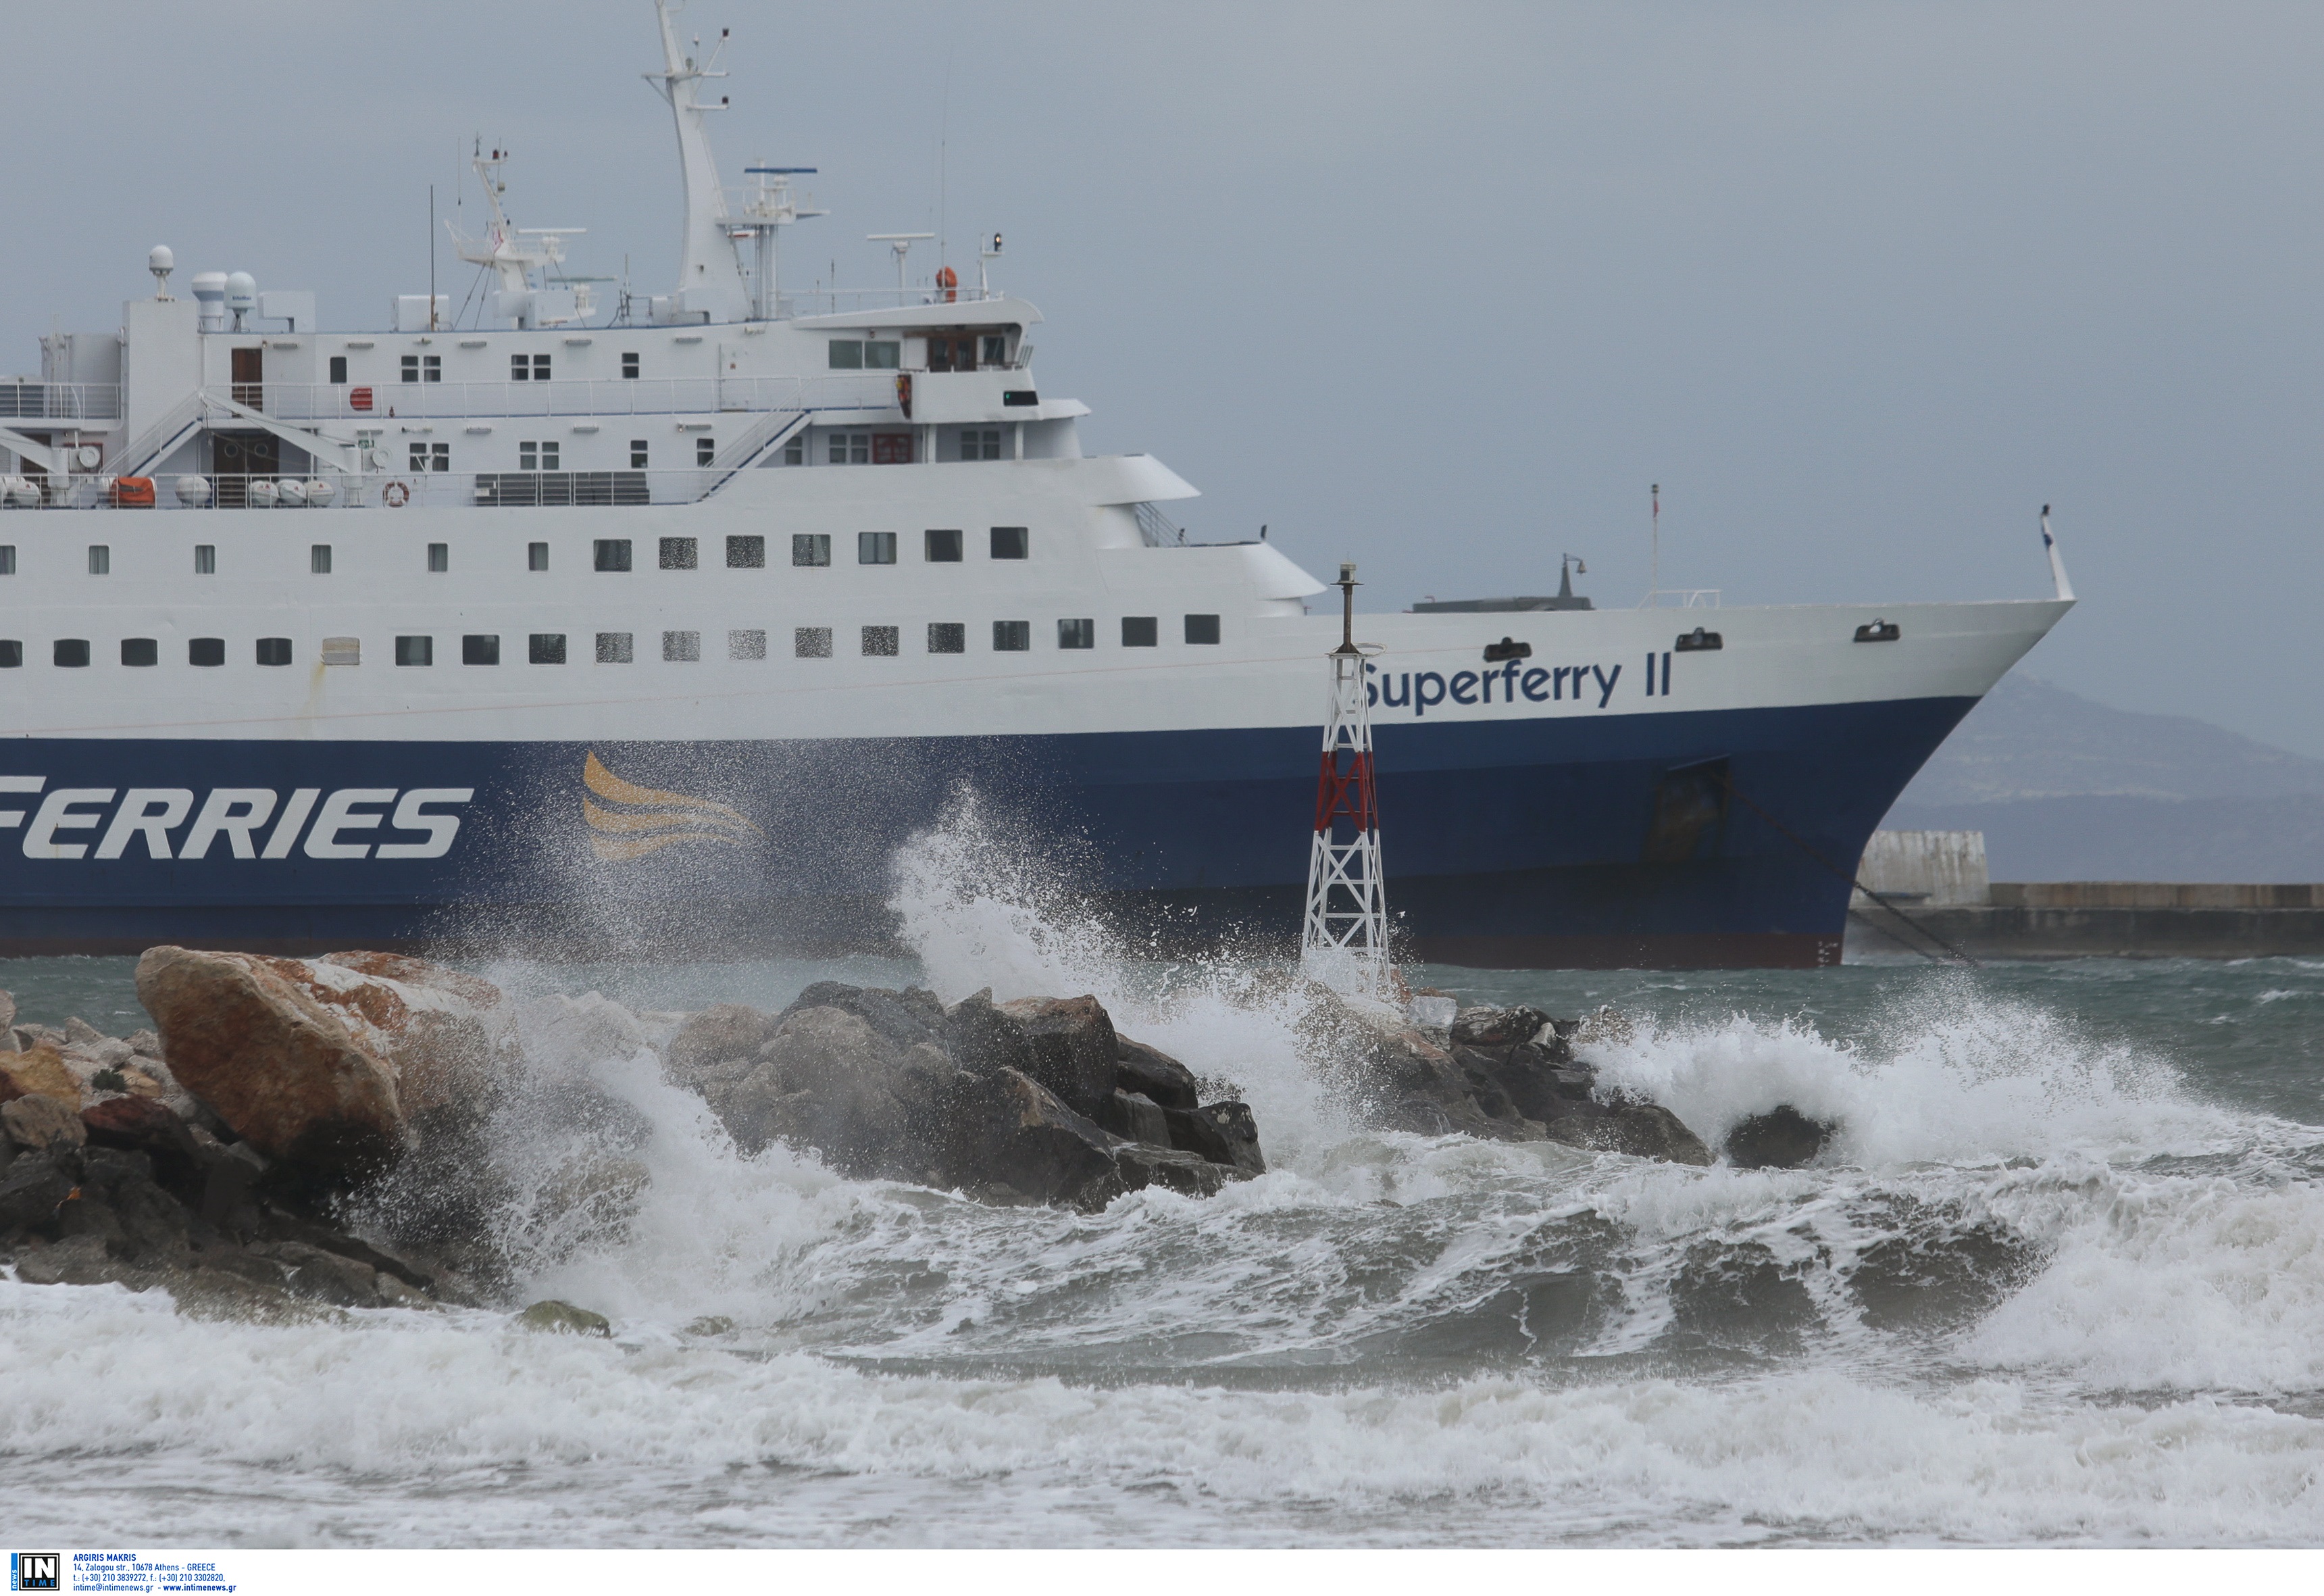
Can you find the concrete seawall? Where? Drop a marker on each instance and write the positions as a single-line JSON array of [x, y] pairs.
[[1934, 886]]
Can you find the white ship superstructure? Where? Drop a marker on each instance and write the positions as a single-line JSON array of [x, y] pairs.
[[524, 599]]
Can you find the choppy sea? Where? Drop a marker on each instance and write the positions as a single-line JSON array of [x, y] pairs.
[[2060, 1281]]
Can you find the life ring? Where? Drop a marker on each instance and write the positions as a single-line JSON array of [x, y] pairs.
[[904, 394], [395, 495], [949, 280]]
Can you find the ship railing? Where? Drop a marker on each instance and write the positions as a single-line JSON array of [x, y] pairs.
[[1682, 598], [360, 403], [289, 492], [27, 399], [837, 301]]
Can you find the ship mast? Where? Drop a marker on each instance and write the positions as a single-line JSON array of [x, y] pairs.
[[710, 286]]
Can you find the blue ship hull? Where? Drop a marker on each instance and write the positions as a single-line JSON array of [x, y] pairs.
[[1700, 839]]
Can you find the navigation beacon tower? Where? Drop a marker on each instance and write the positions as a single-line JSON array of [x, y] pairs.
[[1343, 943]]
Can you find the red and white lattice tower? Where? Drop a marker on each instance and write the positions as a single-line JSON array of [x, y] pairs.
[[1343, 943]]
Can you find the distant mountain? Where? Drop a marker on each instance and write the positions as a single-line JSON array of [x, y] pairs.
[[2066, 788], [2032, 740]]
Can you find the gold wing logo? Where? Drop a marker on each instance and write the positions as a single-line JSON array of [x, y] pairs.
[[635, 821]]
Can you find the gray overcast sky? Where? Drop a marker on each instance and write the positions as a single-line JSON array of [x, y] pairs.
[[1441, 289]]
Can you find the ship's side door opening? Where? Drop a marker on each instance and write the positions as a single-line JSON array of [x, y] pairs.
[[1690, 813]]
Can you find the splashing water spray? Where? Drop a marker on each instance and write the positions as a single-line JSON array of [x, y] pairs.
[[1343, 943]]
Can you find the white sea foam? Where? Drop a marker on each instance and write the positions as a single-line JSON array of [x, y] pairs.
[[1363, 1346]]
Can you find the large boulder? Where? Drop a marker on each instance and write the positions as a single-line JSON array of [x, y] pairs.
[[38, 1124], [1071, 1044], [1642, 1130], [324, 1063], [1153, 1073], [1780, 1138]]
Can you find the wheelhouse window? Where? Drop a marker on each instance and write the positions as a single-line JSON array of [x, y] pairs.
[[875, 549], [892, 449], [1010, 542], [849, 448], [811, 642], [795, 451], [746, 552], [1140, 632], [680, 554], [852, 355], [810, 548], [948, 637], [980, 443], [545, 648], [206, 650], [1011, 637], [415, 651], [996, 348]]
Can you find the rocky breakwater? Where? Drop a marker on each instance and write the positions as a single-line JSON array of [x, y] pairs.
[[216, 1157], [1517, 1074], [1036, 1101]]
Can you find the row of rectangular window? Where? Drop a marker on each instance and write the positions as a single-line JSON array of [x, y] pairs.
[[615, 648], [522, 368], [745, 552]]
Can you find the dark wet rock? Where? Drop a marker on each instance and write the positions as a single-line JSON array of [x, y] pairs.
[[1015, 1102], [1135, 1117], [562, 1318], [1016, 1138], [983, 1040], [1780, 1138], [1071, 1046], [1153, 1073], [1223, 1133], [32, 1189], [1642, 1130], [1189, 1174], [1498, 1027]]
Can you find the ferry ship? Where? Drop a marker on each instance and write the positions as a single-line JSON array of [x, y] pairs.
[[665, 622]]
